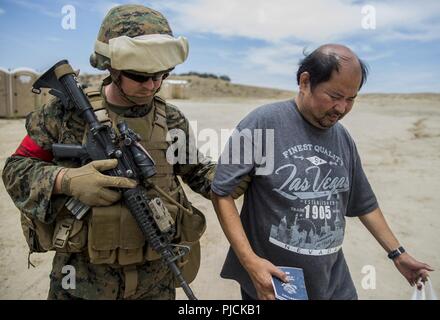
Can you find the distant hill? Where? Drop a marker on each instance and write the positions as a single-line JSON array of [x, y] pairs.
[[216, 88], [205, 88]]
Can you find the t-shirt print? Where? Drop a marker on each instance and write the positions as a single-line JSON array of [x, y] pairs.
[[312, 178]]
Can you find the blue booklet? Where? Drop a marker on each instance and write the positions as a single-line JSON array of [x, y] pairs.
[[295, 289]]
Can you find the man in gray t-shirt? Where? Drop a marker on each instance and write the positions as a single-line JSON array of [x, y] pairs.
[[306, 178]]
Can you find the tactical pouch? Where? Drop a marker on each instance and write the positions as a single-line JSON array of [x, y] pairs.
[[38, 235], [192, 226], [189, 229], [132, 240], [114, 237]]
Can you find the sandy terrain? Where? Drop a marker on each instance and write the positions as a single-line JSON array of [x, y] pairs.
[[398, 138]]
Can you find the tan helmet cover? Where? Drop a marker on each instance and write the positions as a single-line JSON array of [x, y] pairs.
[[150, 53]]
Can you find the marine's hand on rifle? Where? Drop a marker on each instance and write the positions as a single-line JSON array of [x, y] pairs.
[[91, 187]]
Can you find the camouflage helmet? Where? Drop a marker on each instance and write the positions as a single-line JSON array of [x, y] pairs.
[[131, 21]]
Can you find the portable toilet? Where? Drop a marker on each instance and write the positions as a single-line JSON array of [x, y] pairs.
[[165, 91], [177, 89], [5, 93], [43, 98], [23, 99]]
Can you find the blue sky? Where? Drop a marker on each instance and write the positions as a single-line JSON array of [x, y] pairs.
[[256, 42]]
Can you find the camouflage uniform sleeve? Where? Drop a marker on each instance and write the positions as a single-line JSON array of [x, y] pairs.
[[32, 191], [196, 170]]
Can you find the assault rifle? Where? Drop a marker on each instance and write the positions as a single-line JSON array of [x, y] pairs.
[[134, 162]]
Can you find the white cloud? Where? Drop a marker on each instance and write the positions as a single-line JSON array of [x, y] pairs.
[[423, 33], [314, 21], [366, 48], [399, 82], [408, 20], [370, 57], [104, 6], [279, 59], [54, 10], [40, 8], [271, 21], [283, 58], [53, 39], [285, 26]]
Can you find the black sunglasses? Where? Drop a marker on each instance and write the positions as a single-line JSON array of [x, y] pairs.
[[141, 78]]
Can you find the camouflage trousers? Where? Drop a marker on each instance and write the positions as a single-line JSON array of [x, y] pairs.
[[102, 282]]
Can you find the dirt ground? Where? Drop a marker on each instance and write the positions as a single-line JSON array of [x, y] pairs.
[[398, 137]]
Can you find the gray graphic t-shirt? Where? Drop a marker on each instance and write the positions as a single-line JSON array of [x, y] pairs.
[[305, 181]]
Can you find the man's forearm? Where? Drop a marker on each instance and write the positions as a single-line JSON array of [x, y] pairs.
[[375, 223], [232, 227]]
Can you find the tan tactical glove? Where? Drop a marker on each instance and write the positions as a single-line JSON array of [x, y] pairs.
[[91, 187], [242, 187]]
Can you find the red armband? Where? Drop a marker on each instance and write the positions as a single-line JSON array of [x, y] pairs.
[[30, 149]]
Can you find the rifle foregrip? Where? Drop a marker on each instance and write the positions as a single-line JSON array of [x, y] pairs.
[[137, 202]]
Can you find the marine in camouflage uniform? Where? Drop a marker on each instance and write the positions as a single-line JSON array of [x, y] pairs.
[[33, 192]]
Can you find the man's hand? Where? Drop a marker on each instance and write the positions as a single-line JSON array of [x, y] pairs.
[[409, 267], [261, 271], [90, 186], [412, 269]]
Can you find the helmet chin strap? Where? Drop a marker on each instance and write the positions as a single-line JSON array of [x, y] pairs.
[[136, 101]]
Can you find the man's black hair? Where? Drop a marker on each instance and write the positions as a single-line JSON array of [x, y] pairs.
[[321, 65]]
